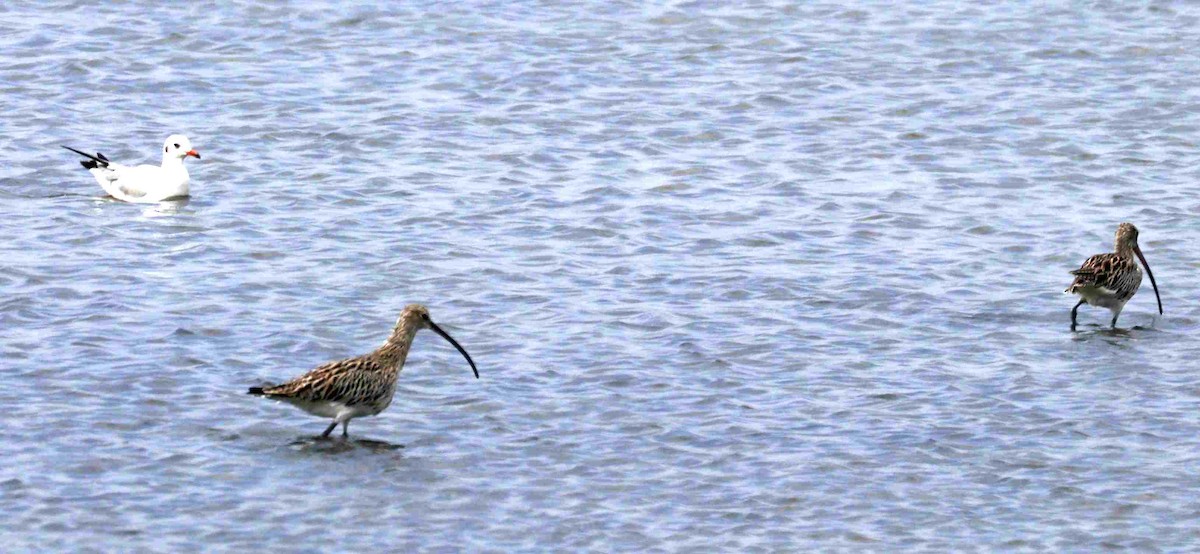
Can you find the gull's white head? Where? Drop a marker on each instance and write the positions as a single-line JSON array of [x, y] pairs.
[[178, 146]]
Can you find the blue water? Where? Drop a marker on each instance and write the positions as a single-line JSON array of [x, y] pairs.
[[753, 278]]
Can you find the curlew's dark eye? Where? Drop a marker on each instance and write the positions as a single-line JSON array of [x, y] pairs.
[[425, 317], [177, 145]]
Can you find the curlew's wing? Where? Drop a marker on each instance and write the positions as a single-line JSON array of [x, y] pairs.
[[1103, 271], [342, 381]]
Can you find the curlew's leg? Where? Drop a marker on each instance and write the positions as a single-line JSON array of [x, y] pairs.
[[1114, 321], [1075, 312], [346, 428], [329, 429]]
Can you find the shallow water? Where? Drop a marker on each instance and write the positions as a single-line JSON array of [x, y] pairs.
[[765, 278]]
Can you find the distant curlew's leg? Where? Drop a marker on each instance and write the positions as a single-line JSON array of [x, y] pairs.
[[329, 430], [1075, 312]]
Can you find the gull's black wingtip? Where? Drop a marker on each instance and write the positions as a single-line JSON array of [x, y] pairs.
[[93, 161]]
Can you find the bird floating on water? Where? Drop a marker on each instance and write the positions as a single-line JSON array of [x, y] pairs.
[[144, 184], [1109, 280], [360, 386]]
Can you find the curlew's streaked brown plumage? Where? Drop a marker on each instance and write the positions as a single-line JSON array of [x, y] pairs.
[[1109, 280], [360, 386]]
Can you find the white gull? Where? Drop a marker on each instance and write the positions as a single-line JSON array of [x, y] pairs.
[[144, 183]]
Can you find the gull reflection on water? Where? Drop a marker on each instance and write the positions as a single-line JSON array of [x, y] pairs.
[[166, 208]]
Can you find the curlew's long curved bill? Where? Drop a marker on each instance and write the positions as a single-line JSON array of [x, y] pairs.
[[1138, 251], [447, 336]]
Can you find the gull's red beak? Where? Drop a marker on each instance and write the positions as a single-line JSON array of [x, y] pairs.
[[192, 153]]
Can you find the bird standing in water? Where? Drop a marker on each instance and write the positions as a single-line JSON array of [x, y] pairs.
[[360, 386], [1109, 280]]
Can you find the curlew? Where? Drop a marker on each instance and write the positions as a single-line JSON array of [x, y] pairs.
[[1109, 280], [359, 386]]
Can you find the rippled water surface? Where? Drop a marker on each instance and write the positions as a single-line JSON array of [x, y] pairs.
[[748, 278]]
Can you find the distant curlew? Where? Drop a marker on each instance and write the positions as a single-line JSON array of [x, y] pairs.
[[360, 386], [1110, 280]]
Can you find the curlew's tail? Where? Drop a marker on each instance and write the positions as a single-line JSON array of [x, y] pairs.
[[257, 391], [93, 162]]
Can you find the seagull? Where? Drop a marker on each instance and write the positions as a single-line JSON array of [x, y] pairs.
[[144, 184]]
